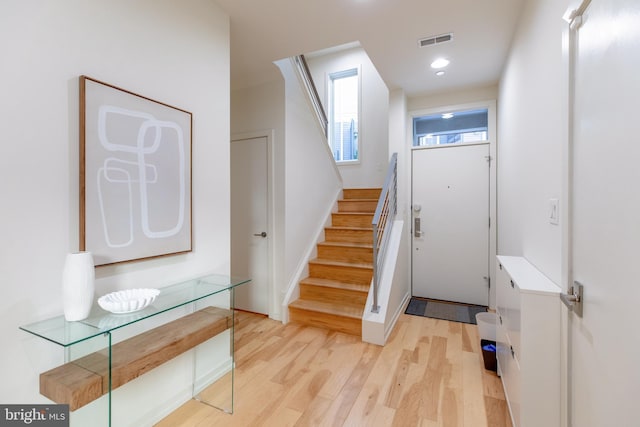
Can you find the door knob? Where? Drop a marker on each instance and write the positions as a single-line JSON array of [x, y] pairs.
[[263, 234]]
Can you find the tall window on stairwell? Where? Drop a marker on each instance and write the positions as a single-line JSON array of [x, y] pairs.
[[344, 115]]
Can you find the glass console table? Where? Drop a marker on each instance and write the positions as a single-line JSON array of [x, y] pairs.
[[187, 332]]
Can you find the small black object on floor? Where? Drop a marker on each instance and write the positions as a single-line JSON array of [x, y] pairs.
[[444, 310], [489, 355]]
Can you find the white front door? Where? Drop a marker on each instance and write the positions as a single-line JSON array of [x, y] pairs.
[[450, 204], [249, 222], [604, 344]]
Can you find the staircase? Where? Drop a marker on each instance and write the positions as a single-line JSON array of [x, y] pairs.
[[335, 293]]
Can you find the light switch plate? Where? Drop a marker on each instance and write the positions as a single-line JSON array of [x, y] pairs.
[[554, 211]]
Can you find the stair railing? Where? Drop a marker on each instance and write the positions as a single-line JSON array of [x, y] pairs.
[[305, 74], [382, 221]]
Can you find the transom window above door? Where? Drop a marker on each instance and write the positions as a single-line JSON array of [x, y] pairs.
[[456, 127]]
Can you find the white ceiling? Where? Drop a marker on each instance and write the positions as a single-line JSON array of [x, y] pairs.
[[263, 31]]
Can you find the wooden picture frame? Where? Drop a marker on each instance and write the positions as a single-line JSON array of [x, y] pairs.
[[135, 175]]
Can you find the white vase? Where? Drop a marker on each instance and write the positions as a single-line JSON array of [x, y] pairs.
[[78, 285]]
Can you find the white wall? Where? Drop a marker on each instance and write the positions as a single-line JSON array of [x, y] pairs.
[[373, 137], [259, 108], [532, 132], [465, 96], [393, 289], [312, 181], [532, 129], [173, 52], [398, 144]]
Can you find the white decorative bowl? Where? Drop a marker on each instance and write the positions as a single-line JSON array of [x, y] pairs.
[[128, 301]]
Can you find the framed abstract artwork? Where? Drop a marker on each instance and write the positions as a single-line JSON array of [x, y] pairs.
[[135, 175]]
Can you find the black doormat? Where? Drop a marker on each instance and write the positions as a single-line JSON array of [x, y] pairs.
[[444, 310]]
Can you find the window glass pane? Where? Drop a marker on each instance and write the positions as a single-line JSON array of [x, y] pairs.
[[343, 115], [451, 128]]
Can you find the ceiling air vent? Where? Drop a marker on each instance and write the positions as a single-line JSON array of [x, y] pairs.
[[429, 41]]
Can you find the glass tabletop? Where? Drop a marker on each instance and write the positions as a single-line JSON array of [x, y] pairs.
[[64, 333]]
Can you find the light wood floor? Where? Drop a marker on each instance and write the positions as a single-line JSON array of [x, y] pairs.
[[430, 373]]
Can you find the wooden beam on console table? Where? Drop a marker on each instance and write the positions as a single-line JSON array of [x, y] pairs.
[[84, 380]]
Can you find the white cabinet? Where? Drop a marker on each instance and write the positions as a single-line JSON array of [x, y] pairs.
[[528, 342]]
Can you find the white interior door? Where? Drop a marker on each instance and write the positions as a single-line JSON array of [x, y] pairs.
[[450, 200], [604, 349], [249, 222]]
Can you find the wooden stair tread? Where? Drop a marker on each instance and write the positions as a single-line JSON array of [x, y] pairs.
[[352, 219], [316, 281], [355, 193], [347, 244], [366, 265], [346, 228], [344, 310], [353, 213], [357, 205]]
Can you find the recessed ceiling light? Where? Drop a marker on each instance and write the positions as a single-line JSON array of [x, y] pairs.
[[447, 115], [440, 63], [439, 73]]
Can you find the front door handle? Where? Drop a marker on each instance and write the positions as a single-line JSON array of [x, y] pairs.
[[574, 299], [263, 234], [416, 228]]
